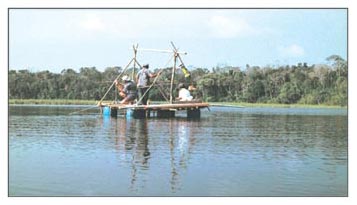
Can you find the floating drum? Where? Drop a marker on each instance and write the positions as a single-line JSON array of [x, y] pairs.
[[165, 113], [129, 113], [113, 112], [194, 113], [139, 114], [106, 111]]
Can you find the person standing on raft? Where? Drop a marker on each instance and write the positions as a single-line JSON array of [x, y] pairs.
[[143, 80]]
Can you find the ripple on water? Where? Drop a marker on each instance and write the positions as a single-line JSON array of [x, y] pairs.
[[239, 152]]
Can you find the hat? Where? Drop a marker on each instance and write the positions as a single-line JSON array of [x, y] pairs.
[[146, 66], [125, 78], [181, 85]]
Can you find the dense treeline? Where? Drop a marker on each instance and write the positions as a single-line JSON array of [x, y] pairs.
[[316, 84]]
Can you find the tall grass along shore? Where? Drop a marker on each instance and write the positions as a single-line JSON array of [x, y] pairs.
[[226, 104], [51, 102]]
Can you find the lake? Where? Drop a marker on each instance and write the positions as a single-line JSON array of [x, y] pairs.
[[228, 152]]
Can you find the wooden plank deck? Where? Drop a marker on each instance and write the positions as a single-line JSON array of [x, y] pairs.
[[175, 106]]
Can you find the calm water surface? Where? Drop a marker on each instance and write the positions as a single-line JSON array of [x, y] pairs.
[[228, 152]]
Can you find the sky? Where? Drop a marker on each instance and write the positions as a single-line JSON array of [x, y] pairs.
[[57, 39]]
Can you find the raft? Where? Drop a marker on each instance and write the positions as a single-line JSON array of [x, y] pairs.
[[193, 109], [168, 109]]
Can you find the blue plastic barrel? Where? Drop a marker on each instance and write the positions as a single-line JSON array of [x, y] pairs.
[[129, 113], [106, 111]]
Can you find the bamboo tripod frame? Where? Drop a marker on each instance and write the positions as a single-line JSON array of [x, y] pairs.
[[176, 56], [126, 67]]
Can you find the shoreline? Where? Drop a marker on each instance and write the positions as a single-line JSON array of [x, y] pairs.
[[50, 102], [216, 104], [272, 105]]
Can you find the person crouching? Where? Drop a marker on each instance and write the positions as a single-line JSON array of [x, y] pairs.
[[184, 93], [128, 91]]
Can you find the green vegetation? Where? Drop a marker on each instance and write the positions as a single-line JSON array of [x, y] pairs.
[[301, 84], [271, 105], [219, 104], [52, 102]]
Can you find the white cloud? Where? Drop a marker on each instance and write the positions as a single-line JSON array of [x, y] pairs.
[[293, 50], [121, 23], [172, 24], [92, 22], [224, 27]]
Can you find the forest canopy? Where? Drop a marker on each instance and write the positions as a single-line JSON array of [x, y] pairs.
[[304, 84]]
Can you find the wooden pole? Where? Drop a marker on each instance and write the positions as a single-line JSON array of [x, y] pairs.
[[172, 78], [116, 94], [173, 45], [138, 64], [100, 102], [135, 48], [179, 57], [161, 51]]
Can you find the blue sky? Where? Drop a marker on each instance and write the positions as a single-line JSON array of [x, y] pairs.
[[55, 39]]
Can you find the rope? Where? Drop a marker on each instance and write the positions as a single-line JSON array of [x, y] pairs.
[[83, 110], [168, 61]]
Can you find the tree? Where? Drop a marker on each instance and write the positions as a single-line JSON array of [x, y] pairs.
[[316, 84], [289, 93]]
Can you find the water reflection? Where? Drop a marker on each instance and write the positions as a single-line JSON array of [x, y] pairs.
[[181, 143], [279, 143], [132, 145], [133, 139], [225, 154]]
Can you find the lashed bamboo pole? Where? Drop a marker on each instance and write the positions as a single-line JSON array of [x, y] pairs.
[[137, 62], [162, 92], [172, 79], [135, 48], [126, 67], [176, 50], [177, 55], [161, 51]]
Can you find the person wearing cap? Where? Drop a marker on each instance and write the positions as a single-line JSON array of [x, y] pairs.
[[128, 91], [184, 93], [143, 81]]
